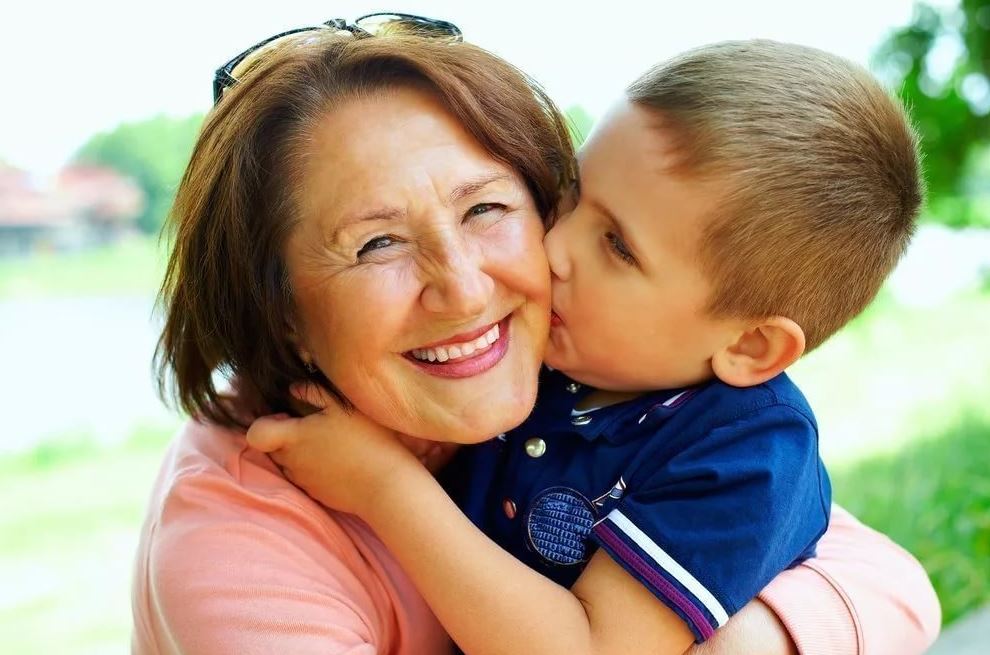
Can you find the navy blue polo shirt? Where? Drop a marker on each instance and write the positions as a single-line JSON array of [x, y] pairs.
[[702, 494]]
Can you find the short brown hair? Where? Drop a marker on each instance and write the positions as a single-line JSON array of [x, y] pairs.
[[226, 294], [822, 170]]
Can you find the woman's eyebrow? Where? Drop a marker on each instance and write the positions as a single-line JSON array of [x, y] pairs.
[[474, 185], [459, 192], [384, 214]]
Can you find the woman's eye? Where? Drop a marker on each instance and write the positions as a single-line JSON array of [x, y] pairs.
[[376, 244], [483, 208], [619, 247]]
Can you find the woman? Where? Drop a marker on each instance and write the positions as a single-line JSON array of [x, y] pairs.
[[326, 149]]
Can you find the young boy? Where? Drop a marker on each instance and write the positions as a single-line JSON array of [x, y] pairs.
[[741, 204]]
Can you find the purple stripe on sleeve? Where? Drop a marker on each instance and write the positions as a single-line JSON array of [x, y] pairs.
[[631, 557]]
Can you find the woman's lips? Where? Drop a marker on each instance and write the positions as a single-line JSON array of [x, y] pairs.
[[477, 362], [555, 319]]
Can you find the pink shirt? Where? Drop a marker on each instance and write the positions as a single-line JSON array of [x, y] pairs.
[[234, 559]]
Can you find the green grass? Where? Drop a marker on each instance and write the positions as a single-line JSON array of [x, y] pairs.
[[69, 514], [132, 266], [898, 374], [933, 499]]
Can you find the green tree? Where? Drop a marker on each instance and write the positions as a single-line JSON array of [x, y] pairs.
[[154, 152], [941, 64], [579, 123]]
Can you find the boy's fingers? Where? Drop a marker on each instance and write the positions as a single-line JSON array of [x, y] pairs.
[[269, 433], [312, 394]]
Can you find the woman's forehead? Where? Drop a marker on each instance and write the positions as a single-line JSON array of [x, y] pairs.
[[388, 150]]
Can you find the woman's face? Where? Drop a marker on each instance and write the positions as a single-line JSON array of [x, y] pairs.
[[417, 270]]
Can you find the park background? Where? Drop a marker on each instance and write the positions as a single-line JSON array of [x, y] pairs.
[[101, 104]]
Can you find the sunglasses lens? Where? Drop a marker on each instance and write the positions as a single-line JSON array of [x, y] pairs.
[[403, 25]]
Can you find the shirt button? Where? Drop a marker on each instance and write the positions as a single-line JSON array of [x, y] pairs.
[[509, 508], [535, 447], [573, 387], [583, 419]]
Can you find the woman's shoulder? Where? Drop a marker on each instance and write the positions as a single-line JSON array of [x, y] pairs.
[[227, 536], [211, 482]]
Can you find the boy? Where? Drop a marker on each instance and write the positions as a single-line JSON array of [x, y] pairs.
[[741, 204]]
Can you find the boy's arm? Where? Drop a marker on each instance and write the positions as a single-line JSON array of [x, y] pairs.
[[489, 602], [632, 592]]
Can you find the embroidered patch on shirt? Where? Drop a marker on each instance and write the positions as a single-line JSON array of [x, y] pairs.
[[559, 523]]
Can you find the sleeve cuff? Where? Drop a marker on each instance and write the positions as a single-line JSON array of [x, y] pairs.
[[815, 612], [672, 584]]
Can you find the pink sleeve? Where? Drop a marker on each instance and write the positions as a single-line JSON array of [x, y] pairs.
[[861, 595], [248, 585]]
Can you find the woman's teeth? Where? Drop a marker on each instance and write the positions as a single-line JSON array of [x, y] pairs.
[[457, 350]]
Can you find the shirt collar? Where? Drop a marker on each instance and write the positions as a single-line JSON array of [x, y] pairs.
[[614, 423]]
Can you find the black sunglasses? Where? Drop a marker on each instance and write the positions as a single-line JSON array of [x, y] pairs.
[[378, 24]]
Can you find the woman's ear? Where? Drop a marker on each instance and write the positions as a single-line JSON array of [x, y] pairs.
[[761, 352]]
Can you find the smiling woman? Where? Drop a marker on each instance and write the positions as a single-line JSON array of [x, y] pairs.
[[366, 213], [437, 245]]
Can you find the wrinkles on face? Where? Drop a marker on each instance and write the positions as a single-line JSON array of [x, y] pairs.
[[411, 234]]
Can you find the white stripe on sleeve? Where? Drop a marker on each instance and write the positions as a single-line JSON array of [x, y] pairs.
[[667, 563]]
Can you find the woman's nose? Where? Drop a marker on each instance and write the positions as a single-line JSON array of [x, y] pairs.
[[458, 285], [555, 244]]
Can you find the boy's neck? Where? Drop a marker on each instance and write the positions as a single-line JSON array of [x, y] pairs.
[[602, 398]]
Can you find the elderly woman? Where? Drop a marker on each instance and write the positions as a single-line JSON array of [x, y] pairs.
[[326, 147]]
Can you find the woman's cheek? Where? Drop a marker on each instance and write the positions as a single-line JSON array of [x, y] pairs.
[[518, 245]]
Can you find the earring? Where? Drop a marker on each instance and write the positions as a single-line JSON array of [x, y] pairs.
[[309, 367]]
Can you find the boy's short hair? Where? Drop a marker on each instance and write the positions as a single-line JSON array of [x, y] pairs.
[[822, 171]]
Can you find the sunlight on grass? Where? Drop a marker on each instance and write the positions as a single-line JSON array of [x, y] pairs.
[[897, 374], [133, 266], [68, 532], [934, 499]]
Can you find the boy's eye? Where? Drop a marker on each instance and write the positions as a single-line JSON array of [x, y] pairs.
[[376, 243], [619, 247]]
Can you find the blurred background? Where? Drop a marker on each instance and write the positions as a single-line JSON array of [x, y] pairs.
[[101, 105]]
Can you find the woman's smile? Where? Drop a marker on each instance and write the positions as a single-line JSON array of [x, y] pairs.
[[467, 354]]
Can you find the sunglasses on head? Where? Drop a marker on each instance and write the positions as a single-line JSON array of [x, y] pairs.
[[378, 24]]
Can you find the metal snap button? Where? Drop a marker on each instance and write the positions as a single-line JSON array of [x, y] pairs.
[[583, 419], [509, 508], [535, 447], [573, 387]]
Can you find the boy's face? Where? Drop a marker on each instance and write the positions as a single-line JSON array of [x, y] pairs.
[[628, 290]]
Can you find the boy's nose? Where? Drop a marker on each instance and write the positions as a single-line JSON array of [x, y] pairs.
[[555, 245]]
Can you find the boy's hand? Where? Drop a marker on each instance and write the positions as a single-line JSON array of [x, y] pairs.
[[338, 457]]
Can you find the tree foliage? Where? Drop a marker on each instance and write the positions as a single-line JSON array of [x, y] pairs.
[[154, 152], [579, 124], [941, 64]]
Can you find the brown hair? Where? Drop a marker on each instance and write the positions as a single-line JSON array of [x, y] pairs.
[[822, 171], [225, 292]]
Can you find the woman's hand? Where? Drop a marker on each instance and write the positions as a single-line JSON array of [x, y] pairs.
[[337, 456]]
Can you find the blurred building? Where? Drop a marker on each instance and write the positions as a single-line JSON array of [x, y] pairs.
[[82, 207]]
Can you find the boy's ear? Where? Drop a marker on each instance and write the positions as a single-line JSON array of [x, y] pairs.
[[761, 352]]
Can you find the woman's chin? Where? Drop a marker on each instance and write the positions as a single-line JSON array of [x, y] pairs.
[[485, 420]]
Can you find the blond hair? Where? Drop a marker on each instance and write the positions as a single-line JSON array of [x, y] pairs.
[[822, 172]]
